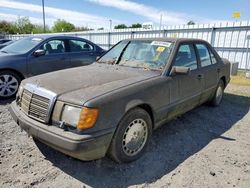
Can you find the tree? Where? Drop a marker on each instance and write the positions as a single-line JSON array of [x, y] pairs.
[[101, 28], [121, 26], [62, 26], [191, 22], [137, 25], [24, 26], [7, 27], [40, 29]]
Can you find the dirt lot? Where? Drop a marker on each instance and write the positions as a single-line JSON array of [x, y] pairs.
[[207, 147]]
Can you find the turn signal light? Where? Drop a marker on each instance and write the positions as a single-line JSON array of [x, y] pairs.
[[88, 118]]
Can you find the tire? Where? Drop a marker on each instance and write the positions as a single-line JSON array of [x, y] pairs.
[[218, 95], [134, 128], [9, 83]]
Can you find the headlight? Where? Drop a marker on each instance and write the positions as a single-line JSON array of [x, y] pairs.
[[81, 118], [71, 115], [20, 90]]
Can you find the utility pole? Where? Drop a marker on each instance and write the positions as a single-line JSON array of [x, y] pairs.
[[110, 24], [160, 22], [43, 17]]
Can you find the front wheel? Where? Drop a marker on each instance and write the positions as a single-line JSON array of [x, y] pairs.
[[217, 98], [131, 137], [9, 83]]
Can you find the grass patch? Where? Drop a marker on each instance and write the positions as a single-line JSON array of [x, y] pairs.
[[240, 79]]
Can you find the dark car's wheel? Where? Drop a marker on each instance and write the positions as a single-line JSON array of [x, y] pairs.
[[9, 83], [217, 98], [131, 136]]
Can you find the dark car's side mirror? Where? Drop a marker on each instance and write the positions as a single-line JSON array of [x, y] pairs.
[[178, 70], [39, 52]]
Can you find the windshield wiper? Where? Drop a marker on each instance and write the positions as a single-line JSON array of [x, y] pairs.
[[4, 51], [122, 52]]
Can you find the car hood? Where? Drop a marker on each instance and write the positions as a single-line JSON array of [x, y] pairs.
[[78, 85]]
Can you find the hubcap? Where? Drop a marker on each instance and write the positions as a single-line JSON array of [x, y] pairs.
[[219, 94], [8, 85], [135, 137]]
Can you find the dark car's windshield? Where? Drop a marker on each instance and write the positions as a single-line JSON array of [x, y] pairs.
[[22, 45], [141, 54]]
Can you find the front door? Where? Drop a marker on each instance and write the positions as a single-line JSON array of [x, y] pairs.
[[185, 90], [55, 58]]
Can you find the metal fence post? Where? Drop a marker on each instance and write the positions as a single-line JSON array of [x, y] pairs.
[[132, 34], [90, 36], [247, 51], [212, 36], [109, 40]]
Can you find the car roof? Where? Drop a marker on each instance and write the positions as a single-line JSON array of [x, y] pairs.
[[55, 36], [165, 39]]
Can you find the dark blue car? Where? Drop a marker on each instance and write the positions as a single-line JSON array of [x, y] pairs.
[[41, 54]]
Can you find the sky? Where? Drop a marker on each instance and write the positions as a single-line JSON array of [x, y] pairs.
[[98, 13]]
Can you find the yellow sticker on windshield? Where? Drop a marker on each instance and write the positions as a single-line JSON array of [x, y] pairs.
[[160, 49]]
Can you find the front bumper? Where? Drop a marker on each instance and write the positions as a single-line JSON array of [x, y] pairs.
[[84, 147]]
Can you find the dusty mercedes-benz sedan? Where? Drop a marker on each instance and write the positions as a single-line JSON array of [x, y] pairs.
[[112, 106]]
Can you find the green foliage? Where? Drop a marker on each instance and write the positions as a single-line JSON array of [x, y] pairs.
[[62, 26], [39, 29], [191, 23], [101, 28], [21, 26], [7, 27], [24, 25], [137, 25], [121, 26]]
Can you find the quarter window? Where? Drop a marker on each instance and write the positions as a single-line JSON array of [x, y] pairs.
[[204, 55], [54, 47], [80, 46], [186, 57], [213, 59]]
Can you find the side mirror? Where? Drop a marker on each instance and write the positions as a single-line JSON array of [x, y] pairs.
[[39, 52], [178, 70]]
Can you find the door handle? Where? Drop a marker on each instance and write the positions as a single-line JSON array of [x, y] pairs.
[[200, 76], [218, 70]]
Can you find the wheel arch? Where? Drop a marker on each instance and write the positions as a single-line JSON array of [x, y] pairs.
[[223, 78], [15, 71], [140, 104]]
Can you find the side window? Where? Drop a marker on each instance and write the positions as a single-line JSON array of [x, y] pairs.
[[186, 57], [213, 59], [54, 47], [80, 46], [204, 55]]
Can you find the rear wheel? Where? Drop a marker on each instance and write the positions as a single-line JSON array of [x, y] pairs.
[[131, 136], [9, 83], [217, 98]]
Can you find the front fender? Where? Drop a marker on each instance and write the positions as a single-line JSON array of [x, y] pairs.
[[134, 103]]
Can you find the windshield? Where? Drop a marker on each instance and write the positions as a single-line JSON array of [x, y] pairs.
[[22, 45], [141, 54]]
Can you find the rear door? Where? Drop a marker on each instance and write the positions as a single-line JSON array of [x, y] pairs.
[[56, 58], [81, 52], [209, 68]]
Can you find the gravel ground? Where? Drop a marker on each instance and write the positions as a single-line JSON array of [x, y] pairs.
[[207, 147]]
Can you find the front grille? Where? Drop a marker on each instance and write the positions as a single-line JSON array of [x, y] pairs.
[[34, 105]]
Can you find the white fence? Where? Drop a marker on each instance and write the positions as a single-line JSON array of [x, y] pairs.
[[228, 38]]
